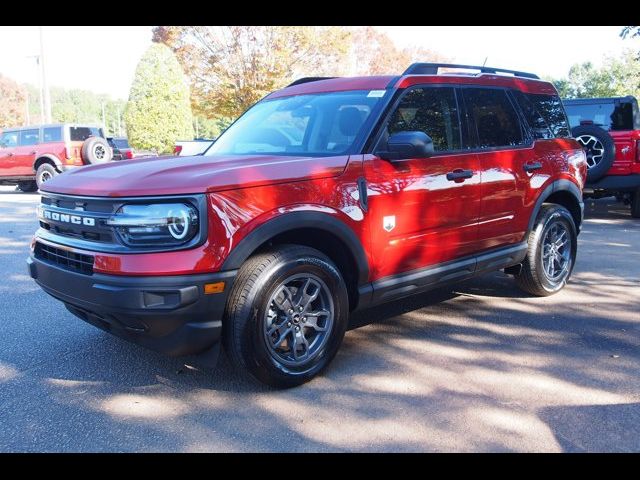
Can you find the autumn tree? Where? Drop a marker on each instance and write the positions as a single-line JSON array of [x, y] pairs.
[[375, 53], [158, 111], [12, 103], [230, 68]]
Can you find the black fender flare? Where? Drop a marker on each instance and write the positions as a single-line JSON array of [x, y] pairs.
[[292, 221], [556, 186], [55, 160]]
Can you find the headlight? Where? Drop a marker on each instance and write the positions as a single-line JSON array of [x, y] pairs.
[[155, 225]]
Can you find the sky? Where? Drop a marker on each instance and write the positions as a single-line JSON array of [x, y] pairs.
[[103, 59]]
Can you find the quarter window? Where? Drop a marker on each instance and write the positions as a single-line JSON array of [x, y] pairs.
[[551, 109], [29, 137], [432, 110], [494, 117]]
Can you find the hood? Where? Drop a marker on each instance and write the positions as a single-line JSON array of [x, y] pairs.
[[190, 175]]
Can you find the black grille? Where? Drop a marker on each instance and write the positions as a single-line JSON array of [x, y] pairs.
[[74, 262]]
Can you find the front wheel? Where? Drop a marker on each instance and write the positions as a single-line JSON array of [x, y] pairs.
[[286, 315], [551, 254]]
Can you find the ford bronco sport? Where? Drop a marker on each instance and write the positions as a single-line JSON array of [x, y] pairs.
[[327, 196], [609, 130], [29, 156]]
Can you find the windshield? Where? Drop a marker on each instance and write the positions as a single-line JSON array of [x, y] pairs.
[[320, 124]]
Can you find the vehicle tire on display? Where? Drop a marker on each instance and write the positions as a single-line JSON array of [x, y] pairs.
[[286, 315], [45, 173], [599, 147], [28, 187], [96, 150], [551, 254], [635, 204]]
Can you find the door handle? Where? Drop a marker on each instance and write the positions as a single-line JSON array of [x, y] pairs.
[[530, 167], [33, 153], [9, 154], [459, 175]]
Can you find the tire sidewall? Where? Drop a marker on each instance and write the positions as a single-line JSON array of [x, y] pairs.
[[553, 216], [88, 150], [45, 167], [255, 350]]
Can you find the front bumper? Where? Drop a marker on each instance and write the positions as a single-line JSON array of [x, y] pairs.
[[169, 314]]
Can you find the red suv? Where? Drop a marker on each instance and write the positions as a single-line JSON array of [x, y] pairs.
[[327, 196], [609, 131], [30, 156]]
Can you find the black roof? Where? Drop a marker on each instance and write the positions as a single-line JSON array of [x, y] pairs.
[[586, 101]]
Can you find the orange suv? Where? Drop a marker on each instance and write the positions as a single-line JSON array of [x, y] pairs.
[[29, 156]]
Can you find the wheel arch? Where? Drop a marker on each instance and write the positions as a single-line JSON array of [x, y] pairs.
[[47, 158], [561, 192], [314, 229]]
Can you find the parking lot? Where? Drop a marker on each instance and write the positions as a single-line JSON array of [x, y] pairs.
[[476, 367]]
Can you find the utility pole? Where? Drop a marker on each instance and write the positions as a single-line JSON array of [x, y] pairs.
[[119, 129], [45, 85], [27, 116], [104, 121]]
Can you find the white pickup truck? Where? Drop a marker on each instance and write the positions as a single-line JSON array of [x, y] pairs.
[[186, 148]]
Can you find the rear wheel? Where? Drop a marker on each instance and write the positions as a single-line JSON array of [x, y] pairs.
[[96, 150], [551, 253], [44, 173], [286, 315]]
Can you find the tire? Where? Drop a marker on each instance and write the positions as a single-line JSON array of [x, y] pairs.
[[45, 172], [635, 204], [532, 277], [28, 187], [599, 147], [96, 150], [250, 329]]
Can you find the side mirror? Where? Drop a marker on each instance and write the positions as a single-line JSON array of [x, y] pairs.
[[403, 145]]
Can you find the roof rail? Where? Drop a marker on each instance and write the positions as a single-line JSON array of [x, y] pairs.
[[307, 80], [432, 69]]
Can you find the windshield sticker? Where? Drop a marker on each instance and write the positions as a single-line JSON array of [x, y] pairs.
[[376, 93]]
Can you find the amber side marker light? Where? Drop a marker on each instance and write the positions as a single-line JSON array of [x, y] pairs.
[[210, 288]]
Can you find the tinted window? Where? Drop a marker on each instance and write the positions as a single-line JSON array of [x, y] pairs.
[[320, 124], [537, 124], [607, 115], [29, 137], [80, 134], [552, 110], [52, 134], [494, 117], [121, 142], [9, 139], [433, 111]]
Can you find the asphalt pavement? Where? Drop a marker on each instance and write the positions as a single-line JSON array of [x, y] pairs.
[[479, 366]]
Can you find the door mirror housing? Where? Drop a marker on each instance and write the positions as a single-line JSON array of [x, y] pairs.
[[404, 145]]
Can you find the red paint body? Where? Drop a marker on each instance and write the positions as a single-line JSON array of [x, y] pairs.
[[436, 219], [627, 159]]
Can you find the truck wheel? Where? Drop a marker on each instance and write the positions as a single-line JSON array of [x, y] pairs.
[[96, 150], [44, 173], [27, 187], [286, 315], [599, 147], [551, 254], [635, 204]]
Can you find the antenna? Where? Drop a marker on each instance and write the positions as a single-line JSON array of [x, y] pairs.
[[485, 61]]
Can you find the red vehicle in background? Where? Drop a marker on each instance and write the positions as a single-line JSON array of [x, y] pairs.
[[32, 155], [609, 130], [325, 197]]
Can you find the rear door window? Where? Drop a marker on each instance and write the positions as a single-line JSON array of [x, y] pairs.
[[29, 137], [551, 109], [494, 117], [52, 134]]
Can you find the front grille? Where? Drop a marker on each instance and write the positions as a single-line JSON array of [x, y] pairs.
[[74, 262]]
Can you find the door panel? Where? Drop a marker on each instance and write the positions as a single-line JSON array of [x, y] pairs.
[[421, 210], [417, 217], [26, 152]]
